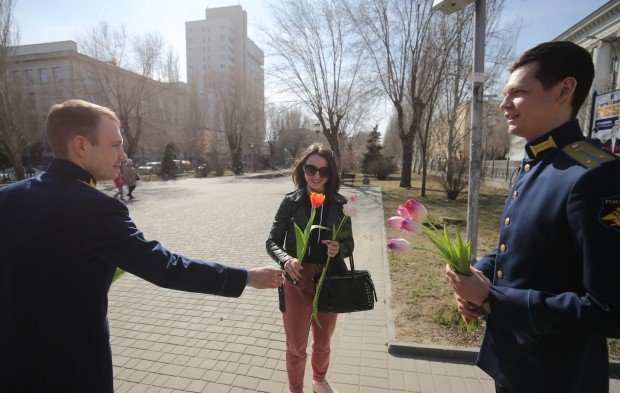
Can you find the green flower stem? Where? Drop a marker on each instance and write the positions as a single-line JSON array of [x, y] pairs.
[[319, 286]]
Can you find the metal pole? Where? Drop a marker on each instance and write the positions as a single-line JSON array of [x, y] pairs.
[[476, 128]]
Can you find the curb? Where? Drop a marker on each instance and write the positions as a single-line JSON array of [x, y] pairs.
[[465, 354]]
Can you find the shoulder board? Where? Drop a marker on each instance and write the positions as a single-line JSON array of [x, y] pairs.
[[587, 154]]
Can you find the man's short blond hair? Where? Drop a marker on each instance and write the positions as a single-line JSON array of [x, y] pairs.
[[74, 117]]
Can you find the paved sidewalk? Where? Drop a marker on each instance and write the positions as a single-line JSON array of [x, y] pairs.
[[170, 341]]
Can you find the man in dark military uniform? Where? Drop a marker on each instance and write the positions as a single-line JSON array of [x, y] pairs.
[[550, 288], [60, 243]]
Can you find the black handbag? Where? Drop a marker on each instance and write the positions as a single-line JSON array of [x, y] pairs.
[[347, 292]]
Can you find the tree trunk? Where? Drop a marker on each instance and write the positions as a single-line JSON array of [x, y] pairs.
[[20, 172], [129, 138], [334, 144], [405, 177], [424, 166], [132, 147]]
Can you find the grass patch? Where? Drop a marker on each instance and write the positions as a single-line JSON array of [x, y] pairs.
[[423, 303], [117, 274]]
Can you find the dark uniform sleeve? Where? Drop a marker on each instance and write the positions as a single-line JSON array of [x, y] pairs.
[[486, 264], [593, 212], [111, 236]]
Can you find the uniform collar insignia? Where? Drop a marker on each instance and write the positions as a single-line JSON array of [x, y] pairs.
[[542, 146], [555, 139]]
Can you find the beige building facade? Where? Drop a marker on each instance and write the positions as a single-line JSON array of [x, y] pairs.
[[50, 73]]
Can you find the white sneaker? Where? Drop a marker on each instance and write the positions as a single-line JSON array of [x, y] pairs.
[[322, 387]]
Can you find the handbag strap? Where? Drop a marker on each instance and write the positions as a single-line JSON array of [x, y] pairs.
[[351, 262]]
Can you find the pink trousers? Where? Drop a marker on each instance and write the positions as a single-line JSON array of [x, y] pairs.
[[297, 318]]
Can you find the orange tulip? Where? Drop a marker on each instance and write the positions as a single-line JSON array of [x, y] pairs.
[[317, 199]]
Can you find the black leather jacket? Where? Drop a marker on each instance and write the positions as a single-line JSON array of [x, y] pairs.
[[281, 244]]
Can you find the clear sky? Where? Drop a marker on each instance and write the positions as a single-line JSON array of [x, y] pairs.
[[58, 20]]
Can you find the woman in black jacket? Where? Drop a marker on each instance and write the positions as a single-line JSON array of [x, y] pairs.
[[315, 171]]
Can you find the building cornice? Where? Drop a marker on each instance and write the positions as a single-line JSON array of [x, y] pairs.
[[604, 16]]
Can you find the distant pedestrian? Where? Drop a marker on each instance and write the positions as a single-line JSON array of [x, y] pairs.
[[130, 176], [119, 182]]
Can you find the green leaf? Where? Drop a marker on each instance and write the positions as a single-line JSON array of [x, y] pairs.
[[301, 242], [118, 274], [457, 253], [343, 235]]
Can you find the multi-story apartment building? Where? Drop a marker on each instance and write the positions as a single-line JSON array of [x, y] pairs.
[[53, 72], [225, 69]]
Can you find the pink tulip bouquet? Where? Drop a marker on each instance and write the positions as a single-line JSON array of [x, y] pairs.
[[350, 210], [411, 217]]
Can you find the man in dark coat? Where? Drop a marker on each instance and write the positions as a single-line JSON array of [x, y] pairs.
[[550, 288], [61, 241]]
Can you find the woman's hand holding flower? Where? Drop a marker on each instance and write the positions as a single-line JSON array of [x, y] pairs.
[[293, 268], [333, 247]]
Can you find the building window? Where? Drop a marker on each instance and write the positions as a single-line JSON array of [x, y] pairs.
[[57, 74], [17, 76], [43, 75], [30, 75], [88, 80]]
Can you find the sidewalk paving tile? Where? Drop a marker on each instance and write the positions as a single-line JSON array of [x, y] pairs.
[[171, 341]]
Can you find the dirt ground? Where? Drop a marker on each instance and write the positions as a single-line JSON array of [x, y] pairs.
[[422, 302]]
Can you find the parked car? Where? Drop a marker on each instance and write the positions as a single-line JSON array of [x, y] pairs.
[[183, 165], [150, 168], [146, 169]]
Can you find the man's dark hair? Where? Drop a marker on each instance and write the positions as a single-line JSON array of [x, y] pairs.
[[558, 60]]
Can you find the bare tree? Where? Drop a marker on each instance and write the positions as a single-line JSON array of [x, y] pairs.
[[320, 62], [456, 92], [16, 113], [130, 80], [240, 114], [398, 35], [289, 130]]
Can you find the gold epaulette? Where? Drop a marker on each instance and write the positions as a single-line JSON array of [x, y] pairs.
[[587, 155]]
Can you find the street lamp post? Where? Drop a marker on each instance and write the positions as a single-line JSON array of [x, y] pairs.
[[317, 129], [252, 156], [448, 7]]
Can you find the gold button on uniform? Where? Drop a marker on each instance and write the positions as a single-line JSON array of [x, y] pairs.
[[500, 274], [527, 167], [515, 194], [507, 221], [502, 248]]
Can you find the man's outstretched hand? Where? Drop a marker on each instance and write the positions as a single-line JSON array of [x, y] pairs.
[[265, 277]]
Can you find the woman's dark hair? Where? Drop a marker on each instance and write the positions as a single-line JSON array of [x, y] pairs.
[[558, 60], [333, 182]]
